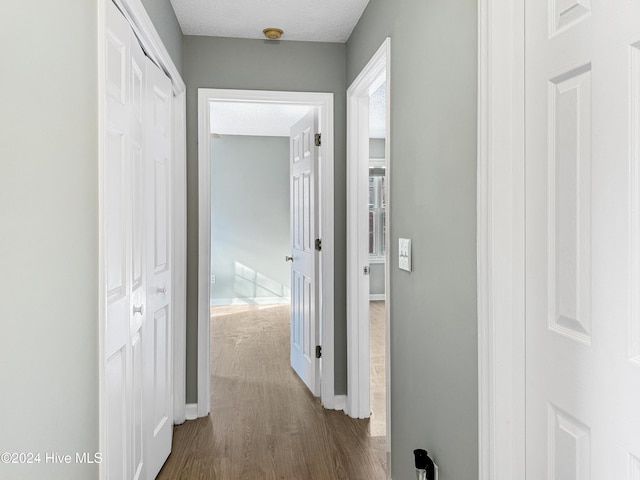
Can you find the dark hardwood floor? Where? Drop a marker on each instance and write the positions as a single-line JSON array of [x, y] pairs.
[[264, 424]]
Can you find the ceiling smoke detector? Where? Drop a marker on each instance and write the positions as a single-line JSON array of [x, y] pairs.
[[272, 33]]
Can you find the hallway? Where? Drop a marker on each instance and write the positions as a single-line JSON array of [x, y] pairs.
[[263, 422]]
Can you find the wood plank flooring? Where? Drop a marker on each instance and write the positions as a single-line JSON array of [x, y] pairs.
[[264, 424], [378, 421]]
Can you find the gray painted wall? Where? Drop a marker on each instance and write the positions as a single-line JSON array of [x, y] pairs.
[[250, 233], [376, 147], [434, 369], [49, 235], [376, 278], [164, 19], [260, 65]]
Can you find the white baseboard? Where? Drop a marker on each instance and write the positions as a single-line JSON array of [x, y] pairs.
[[377, 296], [191, 411], [339, 402], [219, 302]]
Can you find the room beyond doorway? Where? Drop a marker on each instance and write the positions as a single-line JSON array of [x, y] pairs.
[[323, 103]]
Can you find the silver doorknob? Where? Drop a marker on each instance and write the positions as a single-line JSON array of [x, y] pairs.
[[288, 258], [138, 310]]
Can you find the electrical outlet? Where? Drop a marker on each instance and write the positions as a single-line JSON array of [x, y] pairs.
[[404, 254], [213, 279]]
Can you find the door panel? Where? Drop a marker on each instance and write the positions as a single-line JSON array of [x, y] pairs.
[[116, 411], [137, 269], [582, 385], [159, 391], [304, 322], [117, 229]]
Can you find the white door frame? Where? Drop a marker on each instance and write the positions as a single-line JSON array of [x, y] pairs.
[[370, 78], [501, 327], [325, 180], [139, 20]]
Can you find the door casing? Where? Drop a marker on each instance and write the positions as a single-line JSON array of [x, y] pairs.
[[501, 254], [376, 72], [325, 300]]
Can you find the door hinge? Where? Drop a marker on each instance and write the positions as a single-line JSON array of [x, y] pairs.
[[318, 351], [318, 139], [318, 244], [366, 270]]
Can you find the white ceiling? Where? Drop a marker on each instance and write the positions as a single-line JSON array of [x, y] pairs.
[[261, 119], [302, 20], [378, 112], [276, 120]]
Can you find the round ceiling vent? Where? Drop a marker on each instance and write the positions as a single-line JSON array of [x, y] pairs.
[[272, 33]]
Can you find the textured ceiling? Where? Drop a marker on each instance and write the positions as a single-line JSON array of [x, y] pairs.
[[301, 20], [378, 112], [276, 120], [262, 119]]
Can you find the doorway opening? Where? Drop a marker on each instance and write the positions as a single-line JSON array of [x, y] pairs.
[[211, 102], [368, 200]]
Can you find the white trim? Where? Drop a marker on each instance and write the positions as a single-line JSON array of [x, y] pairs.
[[377, 296], [340, 402], [139, 20], [204, 253], [377, 70], [179, 268], [501, 362], [358, 351], [326, 301], [102, 274], [219, 302], [191, 411]]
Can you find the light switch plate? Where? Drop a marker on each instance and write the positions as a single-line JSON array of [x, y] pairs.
[[404, 254]]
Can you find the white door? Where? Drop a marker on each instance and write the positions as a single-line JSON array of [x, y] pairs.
[[124, 271], [158, 346], [582, 242], [304, 294], [137, 213]]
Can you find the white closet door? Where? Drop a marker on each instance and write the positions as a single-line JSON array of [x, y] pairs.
[[158, 370], [137, 239], [117, 245]]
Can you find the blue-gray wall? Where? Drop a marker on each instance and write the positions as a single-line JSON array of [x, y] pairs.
[[250, 233], [49, 234], [233, 63], [434, 368], [165, 21]]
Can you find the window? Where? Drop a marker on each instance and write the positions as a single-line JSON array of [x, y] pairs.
[[377, 216]]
